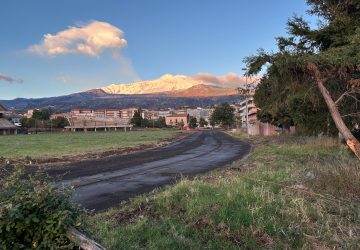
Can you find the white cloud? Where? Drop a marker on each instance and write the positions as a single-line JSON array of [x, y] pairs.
[[91, 40], [10, 79]]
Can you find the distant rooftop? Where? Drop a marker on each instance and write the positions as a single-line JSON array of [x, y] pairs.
[[2, 108], [5, 124]]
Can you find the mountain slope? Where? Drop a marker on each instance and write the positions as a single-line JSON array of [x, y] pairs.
[[165, 83], [167, 91], [201, 90], [106, 101]]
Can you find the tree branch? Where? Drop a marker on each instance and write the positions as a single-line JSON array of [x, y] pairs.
[[349, 94], [352, 114], [357, 100], [82, 241], [340, 98]]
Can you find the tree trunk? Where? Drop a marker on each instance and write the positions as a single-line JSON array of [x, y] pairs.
[[350, 139], [82, 241]]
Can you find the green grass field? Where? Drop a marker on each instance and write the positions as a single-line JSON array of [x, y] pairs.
[[291, 193], [59, 144]]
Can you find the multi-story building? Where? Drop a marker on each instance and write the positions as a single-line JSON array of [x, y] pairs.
[[199, 113], [251, 111], [164, 113], [151, 114], [128, 113], [29, 113]]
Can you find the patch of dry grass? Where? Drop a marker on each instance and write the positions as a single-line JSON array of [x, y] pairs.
[[291, 193]]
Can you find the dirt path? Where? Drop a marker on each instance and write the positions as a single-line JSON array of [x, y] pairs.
[[103, 183]]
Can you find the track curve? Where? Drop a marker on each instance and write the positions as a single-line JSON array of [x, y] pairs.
[[103, 183]]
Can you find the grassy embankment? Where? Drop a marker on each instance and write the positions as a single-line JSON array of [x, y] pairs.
[[292, 192], [60, 144]]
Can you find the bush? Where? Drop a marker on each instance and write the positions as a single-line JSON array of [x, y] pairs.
[[60, 122], [34, 213]]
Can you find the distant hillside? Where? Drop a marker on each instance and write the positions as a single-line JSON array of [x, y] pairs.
[[202, 90], [97, 99], [167, 91]]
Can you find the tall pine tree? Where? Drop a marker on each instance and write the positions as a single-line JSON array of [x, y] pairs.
[[320, 66]]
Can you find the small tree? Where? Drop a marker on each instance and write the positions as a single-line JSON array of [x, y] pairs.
[[212, 122], [137, 119], [27, 122], [203, 122], [192, 122], [223, 115], [42, 114], [161, 122], [60, 122]]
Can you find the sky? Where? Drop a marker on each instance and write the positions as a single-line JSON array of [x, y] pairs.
[[52, 48]]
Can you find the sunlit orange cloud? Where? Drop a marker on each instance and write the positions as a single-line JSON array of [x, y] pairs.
[[229, 79], [91, 40]]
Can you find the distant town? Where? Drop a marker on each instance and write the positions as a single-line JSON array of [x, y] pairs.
[[185, 118]]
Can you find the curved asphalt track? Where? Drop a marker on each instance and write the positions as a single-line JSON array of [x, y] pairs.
[[103, 183]]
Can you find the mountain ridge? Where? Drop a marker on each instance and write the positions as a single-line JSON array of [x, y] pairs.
[[164, 92], [166, 83]]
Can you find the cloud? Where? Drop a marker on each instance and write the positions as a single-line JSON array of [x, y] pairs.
[[229, 80], [10, 79], [91, 40]]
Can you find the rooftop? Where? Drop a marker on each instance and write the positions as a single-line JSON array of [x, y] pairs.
[[175, 115], [2, 108], [5, 124]]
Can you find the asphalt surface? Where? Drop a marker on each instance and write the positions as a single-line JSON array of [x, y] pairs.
[[104, 183]]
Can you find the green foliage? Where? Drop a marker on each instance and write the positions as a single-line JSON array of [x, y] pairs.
[[161, 123], [288, 87], [203, 122], [34, 213], [148, 123], [283, 118], [60, 122], [42, 114], [137, 120], [223, 115], [312, 119], [27, 122], [158, 123], [192, 122]]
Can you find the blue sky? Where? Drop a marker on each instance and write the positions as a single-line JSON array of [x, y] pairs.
[[178, 37]]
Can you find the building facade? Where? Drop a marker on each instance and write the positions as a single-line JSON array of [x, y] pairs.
[[176, 120]]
